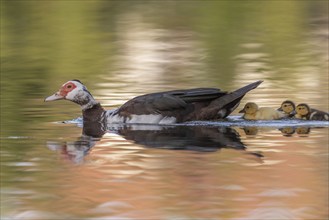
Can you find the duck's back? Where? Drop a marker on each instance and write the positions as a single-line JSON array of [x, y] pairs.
[[168, 102], [267, 113], [195, 95], [319, 115]]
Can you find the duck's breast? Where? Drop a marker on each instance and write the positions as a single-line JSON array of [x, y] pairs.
[[113, 117]]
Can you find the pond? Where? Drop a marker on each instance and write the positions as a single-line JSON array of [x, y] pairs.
[[53, 167]]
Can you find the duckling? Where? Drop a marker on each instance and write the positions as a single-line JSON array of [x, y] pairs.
[[303, 111], [288, 107], [252, 112]]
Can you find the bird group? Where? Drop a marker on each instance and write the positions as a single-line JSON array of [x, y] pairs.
[[288, 109], [179, 106]]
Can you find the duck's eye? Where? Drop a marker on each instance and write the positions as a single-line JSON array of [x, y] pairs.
[[285, 105], [69, 86], [247, 107]]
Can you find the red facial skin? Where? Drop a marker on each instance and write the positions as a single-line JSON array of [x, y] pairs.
[[66, 88]]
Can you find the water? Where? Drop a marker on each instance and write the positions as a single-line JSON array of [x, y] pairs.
[[198, 170]]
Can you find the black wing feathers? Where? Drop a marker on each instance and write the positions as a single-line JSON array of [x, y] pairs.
[[164, 101], [190, 104], [200, 94]]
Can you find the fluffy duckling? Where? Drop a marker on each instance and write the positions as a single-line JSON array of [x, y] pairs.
[[288, 107], [303, 111], [252, 112]]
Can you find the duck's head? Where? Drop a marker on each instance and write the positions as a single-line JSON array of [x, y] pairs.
[[76, 92], [303, 109], [249, 108], [288, 107]]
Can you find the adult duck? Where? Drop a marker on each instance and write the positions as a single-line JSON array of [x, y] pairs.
[[157, 108]]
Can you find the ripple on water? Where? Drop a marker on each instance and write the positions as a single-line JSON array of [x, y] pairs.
[[111, 207], [232, 187], [35, 215], [238, 121], [277, 211], [21, 164], [232, 120], [280, 192]]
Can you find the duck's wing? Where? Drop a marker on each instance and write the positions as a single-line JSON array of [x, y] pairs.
[[197, 95], [171, 100], [316, 114], [235, 96], [226, 104]]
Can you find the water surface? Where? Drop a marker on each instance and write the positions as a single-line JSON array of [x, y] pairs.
[[199, 170]]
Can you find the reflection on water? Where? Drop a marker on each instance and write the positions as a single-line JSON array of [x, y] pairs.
[[194, 138], [139, 171], [286, 131], [209, 137], [121, 49]]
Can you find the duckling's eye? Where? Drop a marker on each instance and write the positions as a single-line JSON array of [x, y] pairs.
[[285, 105], [247, 107]]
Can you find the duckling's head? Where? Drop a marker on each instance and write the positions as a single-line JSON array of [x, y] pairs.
[[303, 109], [288, 107], [249, 108]]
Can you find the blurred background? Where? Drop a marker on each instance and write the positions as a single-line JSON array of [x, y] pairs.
[[121, 49]]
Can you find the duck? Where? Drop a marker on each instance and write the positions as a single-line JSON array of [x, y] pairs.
[[253, 112], [167, 107], [303, 111], [288, 107]]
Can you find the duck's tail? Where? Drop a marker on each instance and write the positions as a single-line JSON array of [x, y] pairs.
[[226, 104]]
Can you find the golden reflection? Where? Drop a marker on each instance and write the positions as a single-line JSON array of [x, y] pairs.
[[303, 130], [287, 131]]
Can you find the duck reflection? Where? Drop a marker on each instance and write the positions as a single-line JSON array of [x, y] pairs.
[[74, 151], [303, 130], [286, 131], [194, 138], [205, 139], [289, 131], [250, 130]]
